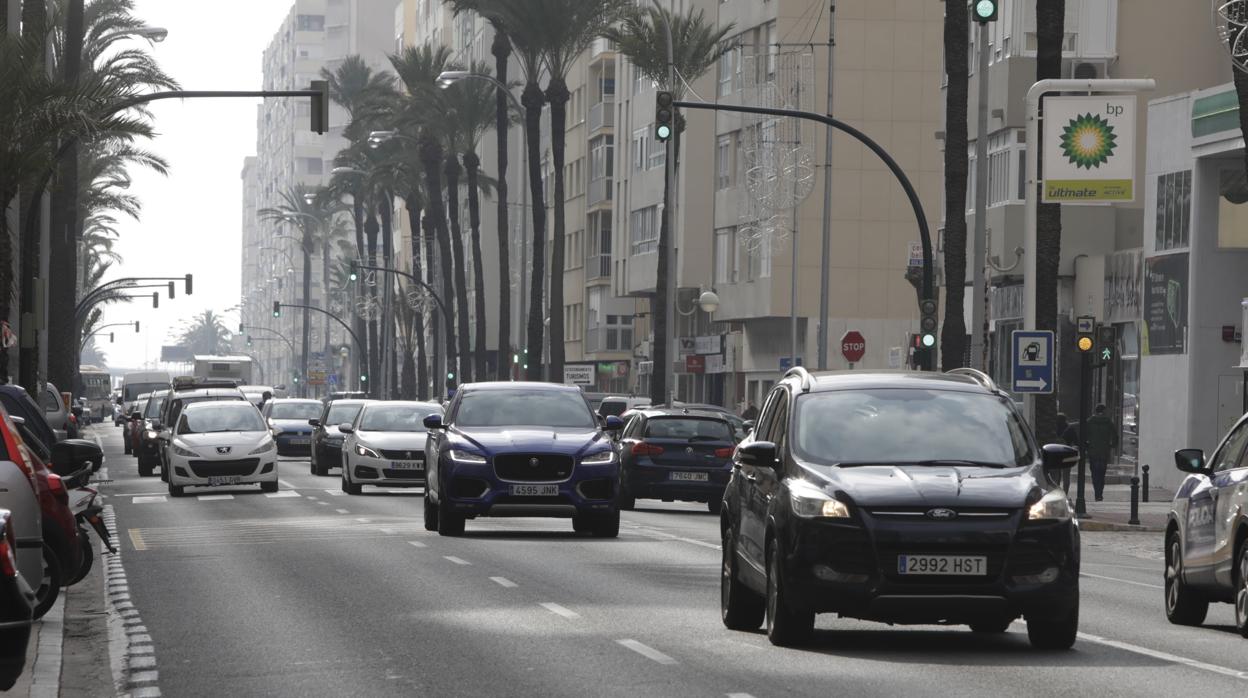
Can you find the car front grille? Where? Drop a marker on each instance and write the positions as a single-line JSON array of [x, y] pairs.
[[533, 467], [403, 474], [213, 468], [407, 454]]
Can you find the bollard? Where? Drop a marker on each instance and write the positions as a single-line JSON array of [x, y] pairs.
[[1144, 497], [1135, 502]]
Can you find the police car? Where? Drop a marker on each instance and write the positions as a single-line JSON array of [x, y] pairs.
[[1207, 533]]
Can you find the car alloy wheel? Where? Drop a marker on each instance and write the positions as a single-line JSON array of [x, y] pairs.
[[50, 585], [739, 608], [1241, 594], [431, 513], [785, 627], [1183, 606]]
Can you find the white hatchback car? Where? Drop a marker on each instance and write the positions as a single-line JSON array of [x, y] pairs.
[[385, 445], [221, 443]]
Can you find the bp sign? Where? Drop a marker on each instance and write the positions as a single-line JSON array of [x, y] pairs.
[[1089, 149]]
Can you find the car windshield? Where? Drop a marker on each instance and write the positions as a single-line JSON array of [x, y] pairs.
[[218, 418], [153, 407], [898, 426], [612, 408], [339, 413], [141, 407], [688, 429], [524, 408], [295, 410], [396, 417]]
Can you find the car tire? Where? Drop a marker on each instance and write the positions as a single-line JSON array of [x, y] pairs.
[[88, 558], [786, 626], [1241, 590], [50, 585], [1050, 632], [449, 523], [348, 486], [991, 626], [177, 490], [145, 470], [626, 501], [605, 525], [713, 505], [431, 513], [268, 487], [1183, 605], [739, 608], [164, 473]]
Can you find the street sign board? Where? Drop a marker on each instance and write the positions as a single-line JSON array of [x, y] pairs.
[[1089, 149], [331, 379], [1085, 324], [579, 374], [1031, 360], [686, 346], [695, 363], [786, 362], [853, 346], [916, 255]]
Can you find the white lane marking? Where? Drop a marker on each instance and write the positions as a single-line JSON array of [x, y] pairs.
[[282, 494], [504, 582], [342, 511], [285, 484], [148, 500], [1121, 581], [364, 520], [559, 610], [324, 504], [647, 651], [388, 531], [416, 544], [457, 560], [311, 497], [739, 695], [335, 493], [1165, 656], [214, 497]]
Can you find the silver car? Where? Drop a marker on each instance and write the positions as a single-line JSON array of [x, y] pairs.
[[385, 445]]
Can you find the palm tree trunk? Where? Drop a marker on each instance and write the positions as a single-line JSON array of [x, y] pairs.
[[326, 256], [34, 29], [422, 361], [371, 229], [1050, 35], [6, 279], [532, 99], [441, 327], [957, 39], [431, 159], [386, 209], [307, 314], [360, 350], [501, 48], [557, 94], [473, 164], [461, 269]]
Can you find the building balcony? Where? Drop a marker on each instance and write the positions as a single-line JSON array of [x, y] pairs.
[[601, 47], [601, 115], [600, 191], [598, 266]]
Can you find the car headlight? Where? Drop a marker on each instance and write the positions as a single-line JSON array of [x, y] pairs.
[[266, 445], [184, 452], [1054, 506], [600, 458], [366, 452], [461, 456], [811, 502]]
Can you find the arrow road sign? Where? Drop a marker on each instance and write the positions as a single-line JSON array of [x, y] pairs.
[[1031, 361]]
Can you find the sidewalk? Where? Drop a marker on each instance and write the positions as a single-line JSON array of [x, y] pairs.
[[1113, 513]]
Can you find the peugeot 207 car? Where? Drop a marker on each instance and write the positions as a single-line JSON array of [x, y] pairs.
[[216, 443], [385, 445], [326, 439], [288, 420], [675, 454], [521, 449], [1207, 533], [906, 498]]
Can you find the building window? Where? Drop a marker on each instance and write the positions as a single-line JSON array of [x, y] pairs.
[[725, 256], [644, 230], [1174, 209], [727, 70], [602, 157], [310, 23], [658, 154], [619, 333], [640, 148], [756, 256], [723, 162], [313, 166]]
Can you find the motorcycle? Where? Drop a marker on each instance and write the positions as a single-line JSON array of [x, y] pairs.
[[84, 503]]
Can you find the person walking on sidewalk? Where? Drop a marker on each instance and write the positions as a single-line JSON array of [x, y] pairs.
[[1066, 431], [1099, 442]]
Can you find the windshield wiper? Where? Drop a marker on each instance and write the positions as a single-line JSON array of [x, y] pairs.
[[959, 461]]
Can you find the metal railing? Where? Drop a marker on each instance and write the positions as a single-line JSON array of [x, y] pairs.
[[600, 190], [597, 266], [602, 115]]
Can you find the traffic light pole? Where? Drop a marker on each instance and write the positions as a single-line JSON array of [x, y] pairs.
[[1085, 389], [915, 204], [441, 310], [360, 360]]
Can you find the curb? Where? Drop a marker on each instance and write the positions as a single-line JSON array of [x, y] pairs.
[[133, 657], [1090, 525]]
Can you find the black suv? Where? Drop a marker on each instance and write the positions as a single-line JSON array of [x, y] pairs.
[[908, 498]]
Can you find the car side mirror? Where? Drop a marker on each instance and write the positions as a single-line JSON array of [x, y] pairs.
[[1190, 460], [760, 453], [71, 455], [612, 423], [346, 428], [314, 422], [433, 422], [1059, 456]]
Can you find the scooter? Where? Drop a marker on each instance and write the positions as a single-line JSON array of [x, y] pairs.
[[83, 502]]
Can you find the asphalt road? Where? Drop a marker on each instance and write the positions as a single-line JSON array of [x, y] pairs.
[[312, 592]]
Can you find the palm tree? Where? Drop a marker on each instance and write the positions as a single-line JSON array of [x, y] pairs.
[[205, 334], [431, 156], [957, 39], [451, 170], [1050, 36], [696, 45]]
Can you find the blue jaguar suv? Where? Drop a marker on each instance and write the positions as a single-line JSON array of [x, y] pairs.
[[521, 449]]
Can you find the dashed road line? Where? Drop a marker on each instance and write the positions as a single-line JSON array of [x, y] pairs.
[[342, 511], [214, 497], [647, 651], [504, 582], [1122, 581], [154, 499], [457, 560], [335, 493], [285, 484], [739, 695], [282, 494], [559, 610], [1165, 656], [136, 539], [362, 520], [387, 531], [323, 503], [416, 544]]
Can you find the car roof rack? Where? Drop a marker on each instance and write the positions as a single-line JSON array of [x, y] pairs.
[[978, 376], [808, 381]]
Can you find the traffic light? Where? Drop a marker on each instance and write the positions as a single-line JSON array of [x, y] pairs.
[[277, 308], [136, 325], [928, 322], [248, 340], [110, 337], [320, 106], [353, 270], [663, 112], [1107, 342], [1085, 334], [241, 328], [189, 279], [173, 292], [985, 11], [155, 299]]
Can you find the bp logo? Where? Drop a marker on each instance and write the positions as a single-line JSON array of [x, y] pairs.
[[1088, 141]]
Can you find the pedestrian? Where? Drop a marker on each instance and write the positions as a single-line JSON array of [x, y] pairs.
[[1099, 442], [1066, 432], [751, 412]]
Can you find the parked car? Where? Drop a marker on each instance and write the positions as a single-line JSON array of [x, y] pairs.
[[56, 413], [521, 449], [288, 419], [326, 439], [385, 445], [17, 604], [1207, 533], [221, 442], [901, 498], [17, 496], [676, 454]]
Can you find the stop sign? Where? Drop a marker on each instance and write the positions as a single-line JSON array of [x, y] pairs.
[[853, 346]]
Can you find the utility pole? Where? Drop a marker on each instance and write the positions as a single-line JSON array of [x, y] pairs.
[[979, 292], [825, 257]]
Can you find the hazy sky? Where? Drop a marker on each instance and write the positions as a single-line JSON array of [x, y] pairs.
[[191, 219]]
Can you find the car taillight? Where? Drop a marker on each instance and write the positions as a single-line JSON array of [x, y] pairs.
[[641, 448], [57, 487], [723, 452], [8, 565]]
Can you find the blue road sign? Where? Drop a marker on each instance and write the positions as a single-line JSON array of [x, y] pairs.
[[1031, 362], [332, 379]]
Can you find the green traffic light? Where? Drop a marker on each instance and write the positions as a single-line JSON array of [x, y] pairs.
[[929, 340], [664, 132], [450, 376], [363, 379], [986, 10]]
